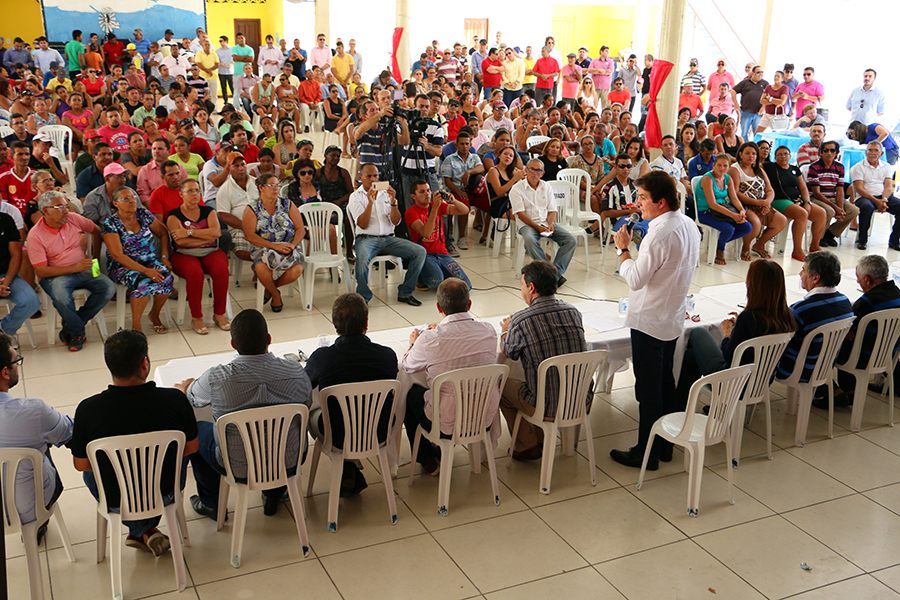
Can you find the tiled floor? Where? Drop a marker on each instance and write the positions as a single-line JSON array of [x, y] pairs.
[[834, 504]]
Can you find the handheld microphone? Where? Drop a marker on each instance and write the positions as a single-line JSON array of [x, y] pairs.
[[632, 221]]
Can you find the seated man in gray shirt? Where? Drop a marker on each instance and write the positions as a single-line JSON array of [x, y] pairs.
[[255, 378]]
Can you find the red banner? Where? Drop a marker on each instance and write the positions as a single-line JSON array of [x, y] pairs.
[[395, 66], [658, 75]]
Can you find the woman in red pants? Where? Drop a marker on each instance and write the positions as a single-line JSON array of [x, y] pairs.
[[195, 234]]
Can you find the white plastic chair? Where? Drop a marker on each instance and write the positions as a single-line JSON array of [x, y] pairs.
[[535, 140], [575, 373], [264, 433], [489, 133], [181, 285], [583, 213], [767, 351], [121, 293], [361, 407], [6, 131], [138, 460], [546, 244], [99, 319], [9, 306], [380, 260], [10, 461], [832, 336], [236, 268], [881, 360], [694, 432], [710, 235], [566, 193], [473, 389], [317, 216], [62, 145]]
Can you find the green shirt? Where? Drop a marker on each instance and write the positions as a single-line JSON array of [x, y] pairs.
[[137, 119], [192, 166], [73, 49], [245, 51]]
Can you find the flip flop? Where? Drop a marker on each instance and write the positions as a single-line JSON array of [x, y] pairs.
[[745, 256], [801, 258], [160, 329], [762, 253]]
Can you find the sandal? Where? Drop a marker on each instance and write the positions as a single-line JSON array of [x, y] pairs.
[[160, 328], [720, 258], [483, 240], [226, 326], [800, 257], [201, 330], [745, 256], [760, 250]]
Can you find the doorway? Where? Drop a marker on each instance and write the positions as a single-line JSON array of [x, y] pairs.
[[252, 33], [475, 29]]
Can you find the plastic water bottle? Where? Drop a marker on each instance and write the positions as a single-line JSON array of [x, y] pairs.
[[623, 306], [689, 303]]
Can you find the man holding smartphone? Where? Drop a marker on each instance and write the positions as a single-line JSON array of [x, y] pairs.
[[373, 207]]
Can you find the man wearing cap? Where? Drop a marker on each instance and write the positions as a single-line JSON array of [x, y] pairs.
[[44, 55], [697, 80], [41, 159], [583, 60], [208, 62], [602, 69], [98, 203], [178, 64], [150, 177], [92, 177], [166, 42], [133, 58], [56, 252], [689, 99], [237, 193], [115, 133], [498, 118], [214, 174], [75, 53], [58, 77], [454, 119]]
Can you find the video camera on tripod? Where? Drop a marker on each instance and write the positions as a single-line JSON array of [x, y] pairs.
[[415, 122]]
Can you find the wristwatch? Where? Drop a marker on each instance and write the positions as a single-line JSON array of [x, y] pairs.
[[621, 251]]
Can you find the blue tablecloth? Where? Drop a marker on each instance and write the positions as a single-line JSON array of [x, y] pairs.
[[793, 142]]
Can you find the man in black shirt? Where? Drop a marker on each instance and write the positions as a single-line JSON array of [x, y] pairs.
[[12, 287], [352, 358], [132, 405]]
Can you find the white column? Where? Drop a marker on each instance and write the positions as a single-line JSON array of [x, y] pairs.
[[403, 49], [641, 32], [323, 19], [767, 25], [670, 50]]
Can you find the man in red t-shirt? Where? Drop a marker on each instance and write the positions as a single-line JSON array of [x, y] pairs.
[[689, 99], [197, 145], [115, 132], [168, 197], [15, 184], [619, 95], [546, 69], [114, 50], [454, 120], [239, 140], [424, 220], [491, 72]]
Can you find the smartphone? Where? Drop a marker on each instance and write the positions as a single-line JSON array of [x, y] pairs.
[[380, 186]]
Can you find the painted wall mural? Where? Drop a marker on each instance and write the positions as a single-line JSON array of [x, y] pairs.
[[122, 17]]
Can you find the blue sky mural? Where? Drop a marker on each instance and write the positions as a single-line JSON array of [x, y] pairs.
[[123, 16]]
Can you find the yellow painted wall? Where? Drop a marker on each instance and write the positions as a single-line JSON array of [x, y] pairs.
[[21, 18], [594, 26], [220, 18]]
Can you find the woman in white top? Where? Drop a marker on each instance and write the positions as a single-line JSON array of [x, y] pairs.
[[756, 194], [203, 129], [587, 91]]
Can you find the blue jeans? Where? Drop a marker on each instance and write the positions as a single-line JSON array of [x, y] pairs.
[[749, 121], [246, 104], [867, 209], [643, 226], [565, 240], [439, 267], [487, 92], [60, 290], [510, 95], [367, 247], [728, 230], [135, 528], [208, 472], [26, 304]]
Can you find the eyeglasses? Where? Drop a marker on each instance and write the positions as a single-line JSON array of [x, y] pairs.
[[60, 207], [18, 361], [829, 150], [270, 185], [305, 172], [533, 170], [624, 166]]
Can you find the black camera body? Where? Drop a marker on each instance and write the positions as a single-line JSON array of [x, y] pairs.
[[415, 122]]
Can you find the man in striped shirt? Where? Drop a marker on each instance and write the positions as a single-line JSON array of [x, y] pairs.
[[255, 378], [808, 153], [547, 327], [826, 186]]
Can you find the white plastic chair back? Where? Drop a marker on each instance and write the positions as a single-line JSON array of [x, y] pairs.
[[264, 433], [473, 389], [381, 259], [6, 131], [576, 176], [575, 372], [489, 133], [565, 194], [727, 387], [832, 336], [137, 460], [767, 352], [804, 170], [361, 406], [61, 136], [695, 188], [535, 140], [318, 220]]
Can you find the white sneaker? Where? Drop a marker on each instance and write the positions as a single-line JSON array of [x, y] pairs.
[[462, 243]]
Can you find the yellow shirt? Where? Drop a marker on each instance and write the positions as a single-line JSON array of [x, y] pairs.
[[209, 61], [529, 64], [340, 66], [54, 83], [353, 87], [514, 72]]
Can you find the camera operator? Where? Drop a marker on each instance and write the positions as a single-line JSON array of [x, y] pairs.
[[375, 146], [426, 142]]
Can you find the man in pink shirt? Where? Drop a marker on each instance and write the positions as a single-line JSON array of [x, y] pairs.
[[808, 92], [150, 176], [56, 250], [115, 132], [723, 103], [718, 78], [602, 69], [320, 56], [571, 79]]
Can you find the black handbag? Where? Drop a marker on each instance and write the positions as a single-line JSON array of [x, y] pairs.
[[720, 217]]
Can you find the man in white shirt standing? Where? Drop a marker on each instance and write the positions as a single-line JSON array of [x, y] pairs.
[[226, 68], [533, 204], [357, 57], [873, 182], [177, 63], [376, 214], [436, 351], [270, 57], [659, 281], [668, 163]]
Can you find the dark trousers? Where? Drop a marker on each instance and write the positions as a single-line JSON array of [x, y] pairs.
[[702, 356], [226, 82], [867, 209], [654, 385]]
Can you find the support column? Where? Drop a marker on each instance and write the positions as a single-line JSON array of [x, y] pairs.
[[641, 33], [323, 20], [670, 50], [767, 25], [403, 60]]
